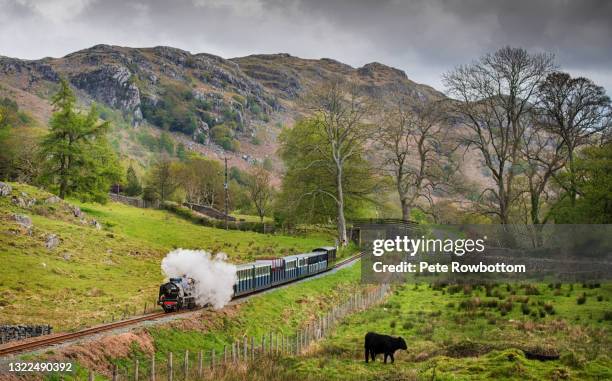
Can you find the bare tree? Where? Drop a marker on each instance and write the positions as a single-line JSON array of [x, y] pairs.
[[575, 109], [494, 98], [260, 190], [544, 155], [415, 145], [338, 111]]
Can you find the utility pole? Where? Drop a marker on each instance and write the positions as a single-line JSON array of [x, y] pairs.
[[226, 189]]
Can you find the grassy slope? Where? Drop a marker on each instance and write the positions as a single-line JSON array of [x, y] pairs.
[[161, 230], [94, 274], [477, 342]]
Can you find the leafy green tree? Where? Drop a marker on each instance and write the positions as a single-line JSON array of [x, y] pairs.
[[202, 181], [162, 180], [330, 143], [310, 180], [133, 187], [78, 160], [166, 143], [593, 179]]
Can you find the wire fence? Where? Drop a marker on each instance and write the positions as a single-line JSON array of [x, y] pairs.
[[243, 351]]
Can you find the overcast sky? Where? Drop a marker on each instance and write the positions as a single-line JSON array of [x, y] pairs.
[[424, 38]]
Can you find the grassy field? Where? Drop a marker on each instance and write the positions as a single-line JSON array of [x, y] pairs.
[[164, 231], [94, 274], [473, 334]]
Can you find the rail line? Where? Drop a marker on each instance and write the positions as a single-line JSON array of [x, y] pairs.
[[43, 341]]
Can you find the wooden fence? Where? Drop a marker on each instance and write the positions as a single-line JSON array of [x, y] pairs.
[[205, 363]]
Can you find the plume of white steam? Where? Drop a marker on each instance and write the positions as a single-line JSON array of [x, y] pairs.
[[214, 277]]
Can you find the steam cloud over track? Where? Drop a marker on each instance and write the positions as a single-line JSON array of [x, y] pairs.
[[214, 277]]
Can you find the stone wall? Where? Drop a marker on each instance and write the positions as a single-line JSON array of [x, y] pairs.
[[133, 201], [208, 211], [20, 332]]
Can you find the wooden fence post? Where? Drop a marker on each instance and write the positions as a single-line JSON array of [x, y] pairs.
[[234, 352], [114, 372], [252, 348], [200, 364], [186, 365], [136, 366], [212, 363], [246, 349], [170, 369], [153, 367], [225, 354], [90, 377]]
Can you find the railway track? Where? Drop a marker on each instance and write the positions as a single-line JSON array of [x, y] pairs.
[[44, 341]]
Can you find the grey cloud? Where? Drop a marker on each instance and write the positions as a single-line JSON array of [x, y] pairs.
[[423, 37]]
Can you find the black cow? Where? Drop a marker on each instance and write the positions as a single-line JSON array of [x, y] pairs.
[[375, 344]]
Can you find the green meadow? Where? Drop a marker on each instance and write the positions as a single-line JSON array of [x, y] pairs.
[[472, 333]]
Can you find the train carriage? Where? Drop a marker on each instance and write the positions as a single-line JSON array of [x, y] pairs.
[[252, 277], [277, 269], [331, 252], [316, 262]]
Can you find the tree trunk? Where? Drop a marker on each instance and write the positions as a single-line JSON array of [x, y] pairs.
[[340, 205], [63, 187], [573, 187], [405, 209]]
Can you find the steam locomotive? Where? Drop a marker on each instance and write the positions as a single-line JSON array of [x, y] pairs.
[[179, 293]]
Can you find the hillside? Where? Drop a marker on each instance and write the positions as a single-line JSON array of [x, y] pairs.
[[94, 262], [219, 107]]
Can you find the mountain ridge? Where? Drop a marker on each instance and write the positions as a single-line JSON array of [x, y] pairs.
[[191, 93]]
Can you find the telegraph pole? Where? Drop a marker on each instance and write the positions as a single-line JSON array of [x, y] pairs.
[[226, 189]]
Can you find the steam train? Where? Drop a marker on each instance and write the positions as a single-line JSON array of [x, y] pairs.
[[179, 293]]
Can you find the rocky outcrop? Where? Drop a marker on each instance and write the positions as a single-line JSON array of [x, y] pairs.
[[24, 221], [76, 211], [95, 224], [113, 85], [374, 69], [52, 241], [23, 200], [5, 189], [53, 200]]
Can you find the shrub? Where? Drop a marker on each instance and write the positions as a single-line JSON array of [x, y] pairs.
[[506, 307], [525, 309], [549, 308], [607, 315], [581, 299], [408, 325], [491, 303], [531, 289]]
